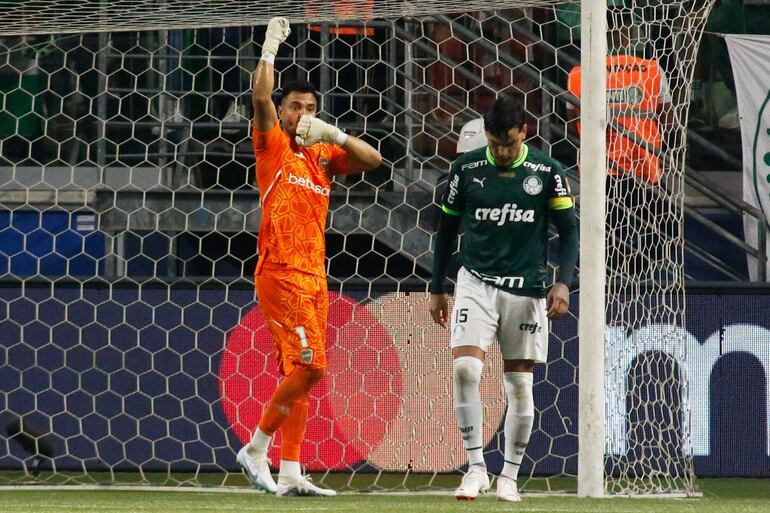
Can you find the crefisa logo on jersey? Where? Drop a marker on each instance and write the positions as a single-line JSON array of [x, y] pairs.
[[537, 167], [532, 185], [532, 328], [509, 213], [453, 188]]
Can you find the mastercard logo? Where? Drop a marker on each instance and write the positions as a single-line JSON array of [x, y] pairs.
[[386, 399]]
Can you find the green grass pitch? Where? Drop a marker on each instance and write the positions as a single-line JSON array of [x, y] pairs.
[[719, 495]]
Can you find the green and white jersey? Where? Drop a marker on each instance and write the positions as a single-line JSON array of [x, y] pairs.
[[505, 216]]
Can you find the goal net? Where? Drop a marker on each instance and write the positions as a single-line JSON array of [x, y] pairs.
[[131, 346]]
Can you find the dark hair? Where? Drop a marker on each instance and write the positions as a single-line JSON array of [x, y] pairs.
[[298, 86], [506, 113]]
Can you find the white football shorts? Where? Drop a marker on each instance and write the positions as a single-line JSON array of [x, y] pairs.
[[483, 313]]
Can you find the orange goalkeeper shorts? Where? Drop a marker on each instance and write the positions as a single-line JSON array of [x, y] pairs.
[[296, 307]]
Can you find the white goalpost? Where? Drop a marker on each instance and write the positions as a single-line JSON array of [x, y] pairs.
[[131, 348], [593, 158]]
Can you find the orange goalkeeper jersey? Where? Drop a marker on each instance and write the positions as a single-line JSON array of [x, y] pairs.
[[294, 185]]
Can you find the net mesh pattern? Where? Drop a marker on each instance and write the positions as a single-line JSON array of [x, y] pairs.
[[67, 16], [132, 349]]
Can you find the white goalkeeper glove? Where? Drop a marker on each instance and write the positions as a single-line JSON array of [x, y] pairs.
[[311, 130], [277, 32]]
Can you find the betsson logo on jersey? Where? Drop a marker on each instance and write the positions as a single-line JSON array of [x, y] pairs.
[[509, 212], [308, 184]]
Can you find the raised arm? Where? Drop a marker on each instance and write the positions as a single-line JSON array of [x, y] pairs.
[[265, 116]]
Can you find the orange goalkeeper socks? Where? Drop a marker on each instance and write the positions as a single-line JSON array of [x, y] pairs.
[[294, 388], [293, 430]]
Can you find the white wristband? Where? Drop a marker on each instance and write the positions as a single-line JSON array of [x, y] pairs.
[[341, 138], [268, 57]]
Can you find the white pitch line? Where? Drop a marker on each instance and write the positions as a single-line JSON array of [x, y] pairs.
[[149, 507], [252, 491], [135, 488]]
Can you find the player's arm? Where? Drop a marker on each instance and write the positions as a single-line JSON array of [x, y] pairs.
[[358, 155], [361, 156], [562, 214], [446, 233], [265, 115], [452, 206]]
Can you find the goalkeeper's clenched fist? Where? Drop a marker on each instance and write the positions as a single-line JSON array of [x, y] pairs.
[[277, 32], [294, 123], [311, 130]]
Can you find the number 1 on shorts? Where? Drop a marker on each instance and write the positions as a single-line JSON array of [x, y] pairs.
[[302, 336]]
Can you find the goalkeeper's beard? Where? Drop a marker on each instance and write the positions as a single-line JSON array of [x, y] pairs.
[[290, 128]]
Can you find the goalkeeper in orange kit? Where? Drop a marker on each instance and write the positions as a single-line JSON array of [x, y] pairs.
[[297, 155]]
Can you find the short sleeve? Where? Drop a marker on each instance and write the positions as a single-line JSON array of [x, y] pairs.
[[560, 195], [270, 142], [453, 197]]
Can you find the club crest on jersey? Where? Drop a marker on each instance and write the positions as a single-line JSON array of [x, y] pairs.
[[532, 185], [324, 163], [306, 355]]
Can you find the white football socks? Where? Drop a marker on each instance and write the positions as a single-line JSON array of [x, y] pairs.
[[518, 419], [289, 471], [260, 443], [466, 374]]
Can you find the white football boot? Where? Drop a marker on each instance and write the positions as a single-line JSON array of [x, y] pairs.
[[507, 490], [257, 471], [475, 482], [302, 487]]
